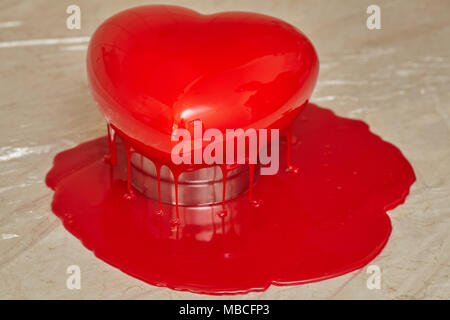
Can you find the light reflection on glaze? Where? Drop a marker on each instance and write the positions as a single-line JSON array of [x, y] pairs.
[[153, 69]]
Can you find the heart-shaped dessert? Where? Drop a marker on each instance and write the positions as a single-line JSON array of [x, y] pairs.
[[154, 69]]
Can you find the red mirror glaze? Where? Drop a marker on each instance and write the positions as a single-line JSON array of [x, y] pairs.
[[153, 69], [327, 220], [156, 68]]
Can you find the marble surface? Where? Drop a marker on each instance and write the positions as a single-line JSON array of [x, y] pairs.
[[397, 79]]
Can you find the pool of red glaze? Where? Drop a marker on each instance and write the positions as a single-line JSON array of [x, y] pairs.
[[324, 221]]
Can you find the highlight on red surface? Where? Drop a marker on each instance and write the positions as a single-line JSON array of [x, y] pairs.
[[154, 69]]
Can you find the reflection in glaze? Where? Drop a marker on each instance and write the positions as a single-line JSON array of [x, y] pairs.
[[326, 220]]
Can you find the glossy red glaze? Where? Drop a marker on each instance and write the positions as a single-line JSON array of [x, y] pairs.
[[327, 220], [153, 69]]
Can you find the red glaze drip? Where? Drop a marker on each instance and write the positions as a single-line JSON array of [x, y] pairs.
[[250, 183], [129, 152], [158, 176], [289, 166], [253, 202], [327, 220], [224, 169], [176, 176]]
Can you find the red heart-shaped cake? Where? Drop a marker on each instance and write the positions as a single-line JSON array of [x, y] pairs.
[[153, 69]]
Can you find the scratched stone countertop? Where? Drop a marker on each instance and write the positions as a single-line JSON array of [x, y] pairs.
[[396, 79]]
